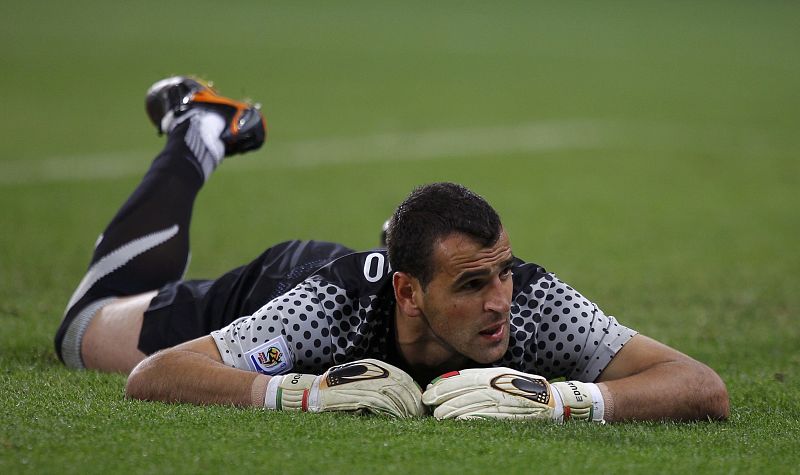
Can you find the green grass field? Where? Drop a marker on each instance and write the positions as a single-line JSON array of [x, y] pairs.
[[647, 152]]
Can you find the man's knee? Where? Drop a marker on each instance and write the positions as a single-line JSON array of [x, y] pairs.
[[104, 335], [73, 327]]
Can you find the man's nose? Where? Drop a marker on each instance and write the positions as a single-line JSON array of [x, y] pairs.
[[498, 297]]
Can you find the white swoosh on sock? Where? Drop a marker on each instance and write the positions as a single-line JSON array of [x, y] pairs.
[[118, 258]]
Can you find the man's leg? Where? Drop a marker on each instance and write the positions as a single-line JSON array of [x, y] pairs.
[[146, 245], [110, 342]]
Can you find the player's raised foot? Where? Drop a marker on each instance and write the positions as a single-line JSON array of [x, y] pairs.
[[172, 100]]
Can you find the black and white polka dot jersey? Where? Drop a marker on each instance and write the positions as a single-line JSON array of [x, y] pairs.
[[345, 311]]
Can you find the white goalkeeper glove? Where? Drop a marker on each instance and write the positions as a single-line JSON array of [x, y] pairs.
[[363, 386], [504, 393]]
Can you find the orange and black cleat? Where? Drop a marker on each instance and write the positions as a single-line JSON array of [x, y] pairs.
[[171, 98]]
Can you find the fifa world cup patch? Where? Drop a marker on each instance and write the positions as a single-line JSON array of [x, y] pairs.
[[271, 358]]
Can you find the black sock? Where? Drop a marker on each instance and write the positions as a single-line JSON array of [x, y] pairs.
[[146, 245]]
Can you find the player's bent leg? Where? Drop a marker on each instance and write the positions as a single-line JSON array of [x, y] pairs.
[[146, 245], [111, 340]]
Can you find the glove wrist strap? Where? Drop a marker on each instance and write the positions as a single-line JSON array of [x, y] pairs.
[[289, 392], [599, 410], [582, 401]]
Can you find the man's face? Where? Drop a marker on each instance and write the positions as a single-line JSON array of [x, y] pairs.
[[467, 303]]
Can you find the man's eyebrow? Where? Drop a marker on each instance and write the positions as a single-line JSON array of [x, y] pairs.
[[480, 272], [471, 275]]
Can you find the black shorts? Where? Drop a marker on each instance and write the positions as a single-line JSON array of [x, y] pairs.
[[185, 310]]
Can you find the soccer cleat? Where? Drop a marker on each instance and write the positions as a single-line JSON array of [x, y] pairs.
[[171, 99]]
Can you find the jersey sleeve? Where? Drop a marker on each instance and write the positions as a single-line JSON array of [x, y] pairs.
[[289, 332], [332, 317], [574, 338]]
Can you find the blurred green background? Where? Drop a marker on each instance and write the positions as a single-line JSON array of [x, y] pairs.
[[646, 152]]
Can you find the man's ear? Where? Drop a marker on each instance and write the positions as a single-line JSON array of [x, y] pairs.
[[407, 292]]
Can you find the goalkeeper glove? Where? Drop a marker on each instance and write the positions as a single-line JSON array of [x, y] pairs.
[[363, 386], [503, 393]]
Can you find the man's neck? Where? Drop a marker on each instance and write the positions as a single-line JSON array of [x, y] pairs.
[[425, 355]]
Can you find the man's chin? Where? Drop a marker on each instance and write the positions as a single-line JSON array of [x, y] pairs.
[[490, 357], [481, 349], [492, 351]]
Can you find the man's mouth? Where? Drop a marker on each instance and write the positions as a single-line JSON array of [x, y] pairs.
[[495, 332]]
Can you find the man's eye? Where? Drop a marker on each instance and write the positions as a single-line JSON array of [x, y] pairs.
[[472, 285], [506, 272]]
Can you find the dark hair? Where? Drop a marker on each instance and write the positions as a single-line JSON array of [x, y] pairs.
[[433, 212]]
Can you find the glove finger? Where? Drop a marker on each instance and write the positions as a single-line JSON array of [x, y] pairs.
[[436, 395], [411, 398], [392, 405], [396, 400], [382, 410], [460, 411], [443, 389], [400, 399], [487, 410], [497, 415], [466, 403], [369, 402]]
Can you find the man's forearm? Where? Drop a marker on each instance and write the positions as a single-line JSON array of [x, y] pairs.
[[190, 373], [677, 390], [178, 375]]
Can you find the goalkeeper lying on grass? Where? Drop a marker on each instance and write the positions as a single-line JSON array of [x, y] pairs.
[[316, 326]]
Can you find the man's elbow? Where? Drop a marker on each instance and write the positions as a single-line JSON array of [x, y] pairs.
[[142, 381], [713, 402]]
